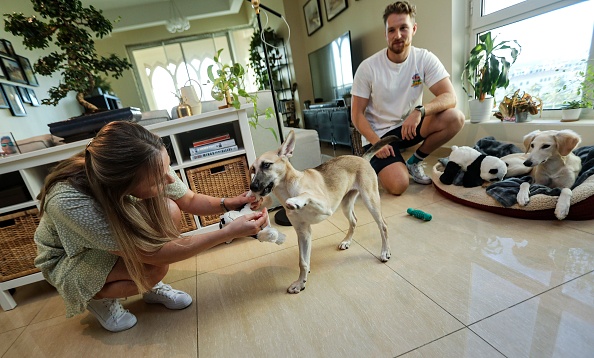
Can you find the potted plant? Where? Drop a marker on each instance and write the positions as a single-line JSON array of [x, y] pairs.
[[487, 70], [572, 110], [70, 27], [228, 85], [257, 60], [515, 108]]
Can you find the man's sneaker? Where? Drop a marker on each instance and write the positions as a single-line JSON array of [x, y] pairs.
[[417, 173], [110, 313], [167, 296]]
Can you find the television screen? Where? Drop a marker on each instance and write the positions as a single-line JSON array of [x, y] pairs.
[[331, 69]]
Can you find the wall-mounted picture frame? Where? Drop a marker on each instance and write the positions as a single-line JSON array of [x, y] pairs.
[[3, 99], [24, 94], [334, 7], [28, 70], [34, 100], [2, 74], [6, 48], [13, 70], [313, 17], [8, 146], [14, 100]]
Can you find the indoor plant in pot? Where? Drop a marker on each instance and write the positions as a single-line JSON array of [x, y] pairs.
[[487, 70], [228, 85], [516, 107], [572, 110]]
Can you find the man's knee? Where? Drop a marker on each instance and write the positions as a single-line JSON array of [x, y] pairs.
[[456, 119], [394, 178]]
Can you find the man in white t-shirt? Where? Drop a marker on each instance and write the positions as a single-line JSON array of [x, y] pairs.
[[387, 100]]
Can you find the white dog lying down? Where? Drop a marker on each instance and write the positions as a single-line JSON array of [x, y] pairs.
[[550, 161]]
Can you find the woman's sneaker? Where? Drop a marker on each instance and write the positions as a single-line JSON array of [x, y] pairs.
[[110, 313], [417, 172], [167, 296]]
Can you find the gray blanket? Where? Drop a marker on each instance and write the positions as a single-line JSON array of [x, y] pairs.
[[506, 191]]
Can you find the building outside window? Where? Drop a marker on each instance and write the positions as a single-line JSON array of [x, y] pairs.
[[556, 38]]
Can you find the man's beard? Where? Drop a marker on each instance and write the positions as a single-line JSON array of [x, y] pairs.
[[399, 47]]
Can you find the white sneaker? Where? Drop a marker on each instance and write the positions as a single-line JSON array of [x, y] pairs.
[[167, 296], [110, 313], [418, 173]]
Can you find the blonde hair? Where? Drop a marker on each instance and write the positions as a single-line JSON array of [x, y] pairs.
[[115, 161], [400, 7]]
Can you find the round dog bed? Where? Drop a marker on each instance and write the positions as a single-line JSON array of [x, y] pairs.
[[541, 207]]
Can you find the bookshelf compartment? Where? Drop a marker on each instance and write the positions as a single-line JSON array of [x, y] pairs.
[[17, 248]]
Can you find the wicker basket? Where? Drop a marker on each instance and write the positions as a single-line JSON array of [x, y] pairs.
[[187, 221], [222, 179], [17, 248]]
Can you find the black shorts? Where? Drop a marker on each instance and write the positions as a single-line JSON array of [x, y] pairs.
[[378, 164]]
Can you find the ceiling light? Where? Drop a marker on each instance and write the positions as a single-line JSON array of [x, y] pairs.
[[177, 22]]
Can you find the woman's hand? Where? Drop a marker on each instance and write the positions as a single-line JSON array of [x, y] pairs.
[[237, 202], [247, 225]]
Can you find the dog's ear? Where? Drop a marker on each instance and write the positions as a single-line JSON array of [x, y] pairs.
[[286, 149], [567, 140], [528, 138]]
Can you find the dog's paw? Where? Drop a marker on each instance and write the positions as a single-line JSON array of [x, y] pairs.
[[295, 203], [385, 256], [296, 287], [561, 212], [523, 196], [344, 245]]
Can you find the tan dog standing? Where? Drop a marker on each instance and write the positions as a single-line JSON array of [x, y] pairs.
[[313, 195], [550, 161]]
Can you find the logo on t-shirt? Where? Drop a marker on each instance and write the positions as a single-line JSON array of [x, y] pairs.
[[416, 80]]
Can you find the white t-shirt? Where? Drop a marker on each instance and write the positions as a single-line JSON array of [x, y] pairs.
[[395, 89]]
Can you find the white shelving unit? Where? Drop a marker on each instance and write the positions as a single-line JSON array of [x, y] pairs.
[[179, 134]]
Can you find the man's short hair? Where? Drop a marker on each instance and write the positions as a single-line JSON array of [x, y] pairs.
[[400, 7]]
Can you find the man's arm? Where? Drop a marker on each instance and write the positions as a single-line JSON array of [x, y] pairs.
[[445, 98], [358, 106]]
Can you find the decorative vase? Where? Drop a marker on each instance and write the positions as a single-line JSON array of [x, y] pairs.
[[183, 110], [480, 111], [522, 117], [570, 115], [191, 97]]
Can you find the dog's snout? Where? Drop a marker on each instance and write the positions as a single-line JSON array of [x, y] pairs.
[[528, 163], [255, 186]]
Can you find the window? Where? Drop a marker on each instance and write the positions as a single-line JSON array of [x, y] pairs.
[[556, 38], [162, 69]]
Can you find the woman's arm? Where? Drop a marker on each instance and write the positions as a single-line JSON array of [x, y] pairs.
[[200, 204], [191, 245]]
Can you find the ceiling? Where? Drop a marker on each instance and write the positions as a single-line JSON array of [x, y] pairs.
[[138, 14]]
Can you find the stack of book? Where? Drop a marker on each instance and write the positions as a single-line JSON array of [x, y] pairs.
[[213, 146]]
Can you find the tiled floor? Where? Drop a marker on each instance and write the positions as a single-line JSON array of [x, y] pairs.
[[465, 284]]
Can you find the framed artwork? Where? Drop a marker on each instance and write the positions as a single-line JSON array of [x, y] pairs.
[[2, 74], [6, 48], [28, 70], [14, 100], [8, 144], [13, 70], [24, 94], [313, 19], [3, 99], [334, 7], [34, 100]]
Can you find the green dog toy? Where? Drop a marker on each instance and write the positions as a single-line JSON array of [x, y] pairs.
[[419, 214]]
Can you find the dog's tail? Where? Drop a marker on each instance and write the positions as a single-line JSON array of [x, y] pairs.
[[377, 146]]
